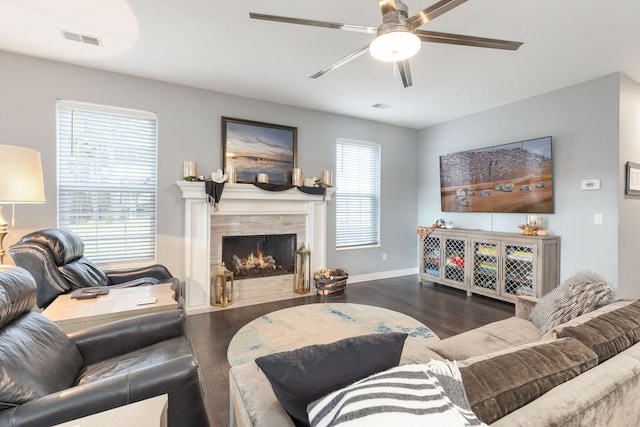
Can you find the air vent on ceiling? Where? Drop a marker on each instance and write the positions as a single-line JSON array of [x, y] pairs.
[[82, 38], [381, 106]]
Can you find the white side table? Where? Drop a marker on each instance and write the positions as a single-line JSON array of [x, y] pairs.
[[73, 314]]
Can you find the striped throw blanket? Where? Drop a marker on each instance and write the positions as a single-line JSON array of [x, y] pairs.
[[409, 395]]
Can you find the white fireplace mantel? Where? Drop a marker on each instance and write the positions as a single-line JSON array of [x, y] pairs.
[[242, 199]]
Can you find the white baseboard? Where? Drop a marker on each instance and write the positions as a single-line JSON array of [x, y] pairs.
[[382, 275]]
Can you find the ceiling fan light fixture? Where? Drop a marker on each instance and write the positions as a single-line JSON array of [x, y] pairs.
[[395, 46]]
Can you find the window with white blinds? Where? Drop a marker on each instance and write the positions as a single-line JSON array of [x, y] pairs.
[[357, 194], [107, 180]]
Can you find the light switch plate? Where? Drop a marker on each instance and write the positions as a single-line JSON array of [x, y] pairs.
[[590, 184]]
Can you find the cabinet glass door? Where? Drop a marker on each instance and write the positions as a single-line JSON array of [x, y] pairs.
[[454, 260], [431, 256], [518, 269], [485, 265]]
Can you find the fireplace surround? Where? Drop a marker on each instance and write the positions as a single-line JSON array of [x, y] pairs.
[[243, 210]]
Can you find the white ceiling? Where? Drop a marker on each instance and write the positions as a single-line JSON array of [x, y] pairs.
[[213, 44]]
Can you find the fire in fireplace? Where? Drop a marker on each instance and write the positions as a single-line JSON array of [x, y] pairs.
[[259, 255]]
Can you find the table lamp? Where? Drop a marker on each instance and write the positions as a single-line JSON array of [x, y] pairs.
[[20, 182]]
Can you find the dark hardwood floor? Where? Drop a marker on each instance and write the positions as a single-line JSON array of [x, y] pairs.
[[444, 310]]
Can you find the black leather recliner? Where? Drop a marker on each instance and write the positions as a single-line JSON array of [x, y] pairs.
[[55, 258], [48, 377]]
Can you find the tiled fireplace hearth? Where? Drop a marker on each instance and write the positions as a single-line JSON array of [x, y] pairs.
[[245, 210]]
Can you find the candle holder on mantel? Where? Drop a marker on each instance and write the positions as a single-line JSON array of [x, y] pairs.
[[302, 271], [221, 294]]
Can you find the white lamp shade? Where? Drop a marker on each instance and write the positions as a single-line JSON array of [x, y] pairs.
[[395, 46], [20, 175]]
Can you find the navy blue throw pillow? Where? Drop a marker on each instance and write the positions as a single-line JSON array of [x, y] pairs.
[[301, 376]]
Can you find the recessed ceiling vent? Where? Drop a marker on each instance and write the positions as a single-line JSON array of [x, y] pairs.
[[82, 38], [380, 106]]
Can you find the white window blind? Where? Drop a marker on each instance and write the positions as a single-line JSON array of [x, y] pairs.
[[107, 180], [357, 194]]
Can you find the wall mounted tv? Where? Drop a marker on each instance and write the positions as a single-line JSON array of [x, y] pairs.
[[516, 177]]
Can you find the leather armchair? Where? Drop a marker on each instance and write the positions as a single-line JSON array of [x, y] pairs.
[[55, 258], [49, 377]]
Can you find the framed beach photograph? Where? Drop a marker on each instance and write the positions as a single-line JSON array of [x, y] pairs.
[[254, 148], [632, 187]]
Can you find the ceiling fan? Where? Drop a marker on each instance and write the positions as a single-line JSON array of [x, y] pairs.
[[398, 37]]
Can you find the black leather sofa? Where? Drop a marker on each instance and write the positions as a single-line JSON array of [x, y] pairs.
[[48, 377], [55, 258]]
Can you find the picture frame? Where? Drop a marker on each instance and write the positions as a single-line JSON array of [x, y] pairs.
[[508, 178], [254, 148], [632, 179]]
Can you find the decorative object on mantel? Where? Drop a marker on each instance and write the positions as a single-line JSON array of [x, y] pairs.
[[263, 178], [283, 187], [255, 147], [327, 179], [214, 192], [331, 282], [214, 188], [296, 177], [533, 227], [221, 294], [311, 181], [231, 174], [190, 170], [302, 271], [218, 176]]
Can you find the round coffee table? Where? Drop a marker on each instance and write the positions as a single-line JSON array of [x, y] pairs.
[[296, 327]]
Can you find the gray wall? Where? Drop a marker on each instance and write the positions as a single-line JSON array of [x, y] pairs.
[[595, 128], [189, 129], [584, 123]]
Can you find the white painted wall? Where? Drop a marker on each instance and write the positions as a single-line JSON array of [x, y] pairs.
[[629, 206], [189, 129], [583, 121]]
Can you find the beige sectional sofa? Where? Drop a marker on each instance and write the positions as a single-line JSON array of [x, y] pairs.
[[597, 393]]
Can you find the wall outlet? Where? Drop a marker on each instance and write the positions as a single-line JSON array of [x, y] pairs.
[[384, 256], [597, 218]]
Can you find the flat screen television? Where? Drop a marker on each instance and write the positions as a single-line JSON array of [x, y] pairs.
[[515, 177]]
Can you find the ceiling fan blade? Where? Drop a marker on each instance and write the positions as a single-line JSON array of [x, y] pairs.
[[405, 73], [387, 7], [353, 55], [437, 37], [313, 23], [432, 12]]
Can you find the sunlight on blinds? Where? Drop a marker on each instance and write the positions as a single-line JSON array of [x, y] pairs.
[[107, 180], [357, 194]]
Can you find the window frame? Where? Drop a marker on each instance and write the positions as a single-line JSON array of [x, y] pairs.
[[143, 197], [377, 182]]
